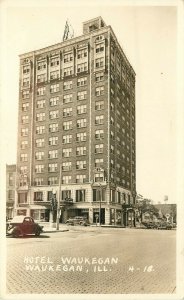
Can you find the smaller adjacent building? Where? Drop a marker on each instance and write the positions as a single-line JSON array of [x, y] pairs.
[[10, 190]]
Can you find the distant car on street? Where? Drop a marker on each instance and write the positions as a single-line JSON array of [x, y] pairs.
[[78, 220], [151, 225], [165, 225], [22, 226]]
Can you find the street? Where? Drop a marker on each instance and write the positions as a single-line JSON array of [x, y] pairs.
[[93, 260]]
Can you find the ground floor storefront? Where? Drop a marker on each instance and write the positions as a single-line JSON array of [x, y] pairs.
[[98, 202], [107, 215]]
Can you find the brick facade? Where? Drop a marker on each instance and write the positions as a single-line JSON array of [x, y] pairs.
[[77, 110]]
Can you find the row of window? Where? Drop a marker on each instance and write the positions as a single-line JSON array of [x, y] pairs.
[[67, 152], [80, 95], [67, 71], [80, 178]]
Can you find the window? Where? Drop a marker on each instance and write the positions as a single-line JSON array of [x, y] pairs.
[[99, 148], [25, 82], [53, 167], [41, 78], [99, 105], [81, 137], [99, 134], [81, 109], [81, 123], [68, 57], [25, 119], [67, 125], [112, 106], [67, 85], [112, 135], [98, 162], [54, 75], [53, 127], [118, 167], [53, 141], [82, 67], [67, 112], [23, 157], [112, 149], [98, 195], [99, 91], [39, 155], [25, 94], [41, 65], [99, 62], [24, 144], [11, 179], [81, 164], [80, 178], [67, 139], [118, 140], [40, 104], [82, 95], [54, 114], [41, 91], [54, 101], [67, 98], [40, 117], [99, 120], [80, 195], [112, 121], [26, 69], [68, 71], [99, 177], [38, 196], [112, 92], [39, 168], [23, 170], [99, 48], [53, 154], [82, 81], [54, 88], [66, 179], [40, 143], [24, 132], [81, 151], [99, 76], [82, 53], [25, 106], [66, 166], [54, 61], [52, 180], [38, 181], [67, 152], [66, 194]]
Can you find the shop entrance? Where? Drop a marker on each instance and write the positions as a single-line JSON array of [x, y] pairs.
[[96, 216]]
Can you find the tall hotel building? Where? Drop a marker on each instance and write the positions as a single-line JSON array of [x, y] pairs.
[[77, 126]]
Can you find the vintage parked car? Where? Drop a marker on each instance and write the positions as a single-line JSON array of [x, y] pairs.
[[22, 225], [78, 220], [150, 225], [165, 225]]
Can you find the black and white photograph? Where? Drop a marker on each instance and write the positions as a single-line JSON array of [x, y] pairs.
[[91, 118]]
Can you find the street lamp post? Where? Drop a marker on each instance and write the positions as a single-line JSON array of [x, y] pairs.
[[100, 204], [58, 204]]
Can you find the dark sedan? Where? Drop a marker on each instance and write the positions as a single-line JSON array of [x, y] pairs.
[[22, 226]]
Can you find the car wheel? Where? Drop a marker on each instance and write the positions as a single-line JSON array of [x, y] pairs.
[[37, 233], [16, 233]]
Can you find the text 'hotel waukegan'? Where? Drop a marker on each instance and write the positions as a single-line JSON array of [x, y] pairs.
[[76, 129]]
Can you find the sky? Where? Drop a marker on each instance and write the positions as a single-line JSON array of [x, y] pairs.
[[148, 36]]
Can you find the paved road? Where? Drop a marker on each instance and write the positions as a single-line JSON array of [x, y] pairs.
[[114, 261]]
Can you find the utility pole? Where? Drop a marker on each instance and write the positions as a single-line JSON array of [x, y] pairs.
[[59, 199], [100, 204]]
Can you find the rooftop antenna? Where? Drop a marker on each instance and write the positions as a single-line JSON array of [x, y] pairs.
[[68, 31]]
